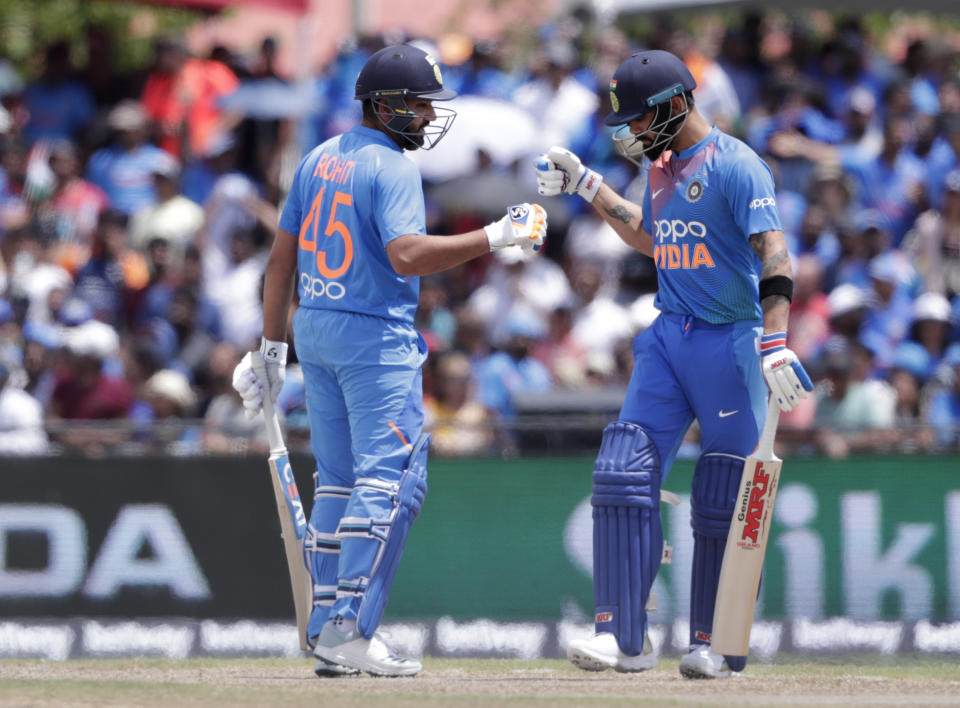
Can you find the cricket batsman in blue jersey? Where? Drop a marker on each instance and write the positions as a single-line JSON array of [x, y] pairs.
[[352, 241], [718, 349]]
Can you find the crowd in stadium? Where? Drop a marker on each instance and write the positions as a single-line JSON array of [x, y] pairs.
[[137, 211]]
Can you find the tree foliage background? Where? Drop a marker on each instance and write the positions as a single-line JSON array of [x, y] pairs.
[[27, 26]]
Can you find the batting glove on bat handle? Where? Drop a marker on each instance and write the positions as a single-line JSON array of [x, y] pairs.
[[559, 170], [523, 225], [785, 376], [275, 357]]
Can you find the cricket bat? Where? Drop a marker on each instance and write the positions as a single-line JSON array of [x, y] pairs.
[[293, 522], [747, 544]]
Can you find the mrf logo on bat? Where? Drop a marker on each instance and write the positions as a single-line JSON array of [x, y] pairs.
[[753, 507]]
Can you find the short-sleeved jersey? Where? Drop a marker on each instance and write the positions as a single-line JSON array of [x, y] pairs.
[[351, 196], [701, 206]]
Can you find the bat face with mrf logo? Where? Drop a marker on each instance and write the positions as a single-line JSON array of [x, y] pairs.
[[747, 544], [753, 504]]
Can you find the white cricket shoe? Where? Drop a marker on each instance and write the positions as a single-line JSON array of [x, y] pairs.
[[350, 650], [327, 669], [601, 652], [701, 663]]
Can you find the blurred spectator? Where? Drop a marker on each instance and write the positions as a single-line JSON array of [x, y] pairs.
[[458, 423], [911, 369], [21, 417], [559, 103], [74, 206], [591, 238], [180, 98], [433, 319], [504, 374], [41, 343], [852, 414], [931, 325], [528, 283], [934, 242], [715, 94], [943, 413], [124, 168], [565, 359], [891, 182], [234, 205], [58, 106], [860, 242], [171, 399], [598, 321], [944, 156], [848, 307], [173, 219], [33, 276], [266, 65], [83, 390], [235, 290], [194, 342], [888, 321], [114, 273], [810, 309]]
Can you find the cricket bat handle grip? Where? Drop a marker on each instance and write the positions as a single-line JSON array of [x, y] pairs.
[[274, 434], [765, 446]]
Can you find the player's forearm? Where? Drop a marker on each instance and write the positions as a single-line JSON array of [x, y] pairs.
[[625, 217], [424, 254], [771, 249], [278, 286]]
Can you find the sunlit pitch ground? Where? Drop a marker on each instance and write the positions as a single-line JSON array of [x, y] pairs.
[[801, 681]]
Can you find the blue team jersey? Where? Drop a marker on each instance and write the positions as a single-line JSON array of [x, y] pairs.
[[350, 197], [701, 206]]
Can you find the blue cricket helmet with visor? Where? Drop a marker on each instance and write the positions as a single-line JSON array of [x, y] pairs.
[[393, 75], [647, 81]]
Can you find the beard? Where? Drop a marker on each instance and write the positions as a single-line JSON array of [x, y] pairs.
[[671, 127]]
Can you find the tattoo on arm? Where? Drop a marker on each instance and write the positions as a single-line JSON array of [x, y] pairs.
[[771, 301], [620, 213], [777, 262]]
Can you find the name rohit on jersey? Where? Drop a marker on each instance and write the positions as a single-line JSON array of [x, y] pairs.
[[333, 169], [684, 255]]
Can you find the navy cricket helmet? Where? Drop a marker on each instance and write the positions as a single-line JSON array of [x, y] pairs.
[[642, 83], [394, 74]]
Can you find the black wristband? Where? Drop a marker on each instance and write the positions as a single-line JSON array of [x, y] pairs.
[[776, 285]]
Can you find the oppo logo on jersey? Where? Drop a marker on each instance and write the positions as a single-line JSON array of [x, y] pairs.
[[686, 256], [673, 229], [761, 202], [318, 287]]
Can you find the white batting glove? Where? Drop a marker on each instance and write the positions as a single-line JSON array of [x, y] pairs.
[[250, 386], [787, 379], [559, 170], [246, 383], [523, 225]]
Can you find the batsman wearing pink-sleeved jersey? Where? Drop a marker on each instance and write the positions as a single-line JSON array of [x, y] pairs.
[[709, 220]]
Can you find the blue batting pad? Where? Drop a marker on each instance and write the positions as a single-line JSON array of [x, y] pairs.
[[716, 481], [321, 550], [408, 500], [627, 536]]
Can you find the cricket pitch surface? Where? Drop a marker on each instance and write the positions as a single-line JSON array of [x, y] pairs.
[[796, 681]]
